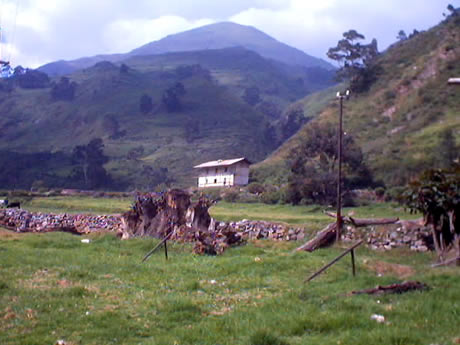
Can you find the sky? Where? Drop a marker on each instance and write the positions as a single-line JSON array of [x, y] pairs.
[[35, 32]]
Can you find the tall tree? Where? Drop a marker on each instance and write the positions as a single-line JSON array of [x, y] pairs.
[[145, 104], [355, 59], [314, 162], [401, 35], [89, 160]]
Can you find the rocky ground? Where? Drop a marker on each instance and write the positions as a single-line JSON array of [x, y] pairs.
[[402, 234]]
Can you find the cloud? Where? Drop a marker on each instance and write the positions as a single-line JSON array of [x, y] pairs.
[[315, 26], [49, 30], [126, 35]]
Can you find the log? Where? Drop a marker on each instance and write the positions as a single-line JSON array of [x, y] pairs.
[[361, 222], [393, 288], [324, 238], [372, 221]]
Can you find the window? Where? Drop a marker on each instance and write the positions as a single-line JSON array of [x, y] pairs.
[[226, 169], [216, 170], [215, 180]]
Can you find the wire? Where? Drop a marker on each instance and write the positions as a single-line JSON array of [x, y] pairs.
[[1, 29], [14, 31]]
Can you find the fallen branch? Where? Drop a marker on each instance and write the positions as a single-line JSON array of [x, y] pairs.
[[393, 288]]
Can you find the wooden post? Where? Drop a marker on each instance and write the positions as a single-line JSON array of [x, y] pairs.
[[353, 261], [333, 261], [339, 178], [166, 249], [157, 246]]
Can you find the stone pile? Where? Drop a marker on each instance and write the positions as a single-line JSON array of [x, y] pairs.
[[405, 233], [253, 230], [24, 221]]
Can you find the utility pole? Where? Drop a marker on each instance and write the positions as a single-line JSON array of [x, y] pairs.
[[340, 96]]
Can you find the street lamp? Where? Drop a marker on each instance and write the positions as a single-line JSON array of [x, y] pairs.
[[341, 97]]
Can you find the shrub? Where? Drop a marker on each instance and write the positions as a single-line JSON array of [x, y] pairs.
[[395, 194], [231, 195], [379, 192], [271, 197], [255, 188]]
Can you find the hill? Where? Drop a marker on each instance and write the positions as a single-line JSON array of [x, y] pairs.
[[213, 36], [404, 121], [157, 116]]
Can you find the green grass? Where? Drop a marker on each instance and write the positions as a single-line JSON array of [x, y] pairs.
[[53, 287], [311, 217], [81, 204]]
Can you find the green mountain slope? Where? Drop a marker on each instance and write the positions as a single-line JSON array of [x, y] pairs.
[[213, 36], [401, 122], [219, 117]]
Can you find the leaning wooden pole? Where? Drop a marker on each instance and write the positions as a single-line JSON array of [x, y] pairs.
[[158, 246], [317, 273]]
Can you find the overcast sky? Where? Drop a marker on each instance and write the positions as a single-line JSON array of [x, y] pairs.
[[40, 31]]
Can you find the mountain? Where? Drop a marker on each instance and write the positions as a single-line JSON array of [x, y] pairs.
[[227, 34], [408, 121], [157, 116], [213, 36]]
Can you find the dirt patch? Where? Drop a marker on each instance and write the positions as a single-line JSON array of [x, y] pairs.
[[386, 268], [8, 234]]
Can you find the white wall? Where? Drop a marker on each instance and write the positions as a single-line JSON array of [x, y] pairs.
[[237, 174]]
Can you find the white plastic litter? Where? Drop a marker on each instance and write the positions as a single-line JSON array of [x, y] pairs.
[[85, 240], [378, 318]]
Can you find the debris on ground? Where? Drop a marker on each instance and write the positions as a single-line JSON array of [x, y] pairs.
[[393, 288], [378, 318]]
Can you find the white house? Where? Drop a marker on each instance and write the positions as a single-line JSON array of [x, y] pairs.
[[220, 173]]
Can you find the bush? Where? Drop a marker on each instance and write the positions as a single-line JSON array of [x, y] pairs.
[[271, 197], [379, 192], [255, 188], [395, 194], [231, 195]]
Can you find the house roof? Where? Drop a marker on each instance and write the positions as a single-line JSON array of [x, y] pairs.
[[221, 162], [454, 81]]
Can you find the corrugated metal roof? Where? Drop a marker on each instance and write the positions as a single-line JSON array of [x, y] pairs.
[[221, 162]]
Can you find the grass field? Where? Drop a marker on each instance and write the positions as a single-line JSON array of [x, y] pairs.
[[311, 217], [53, 286]]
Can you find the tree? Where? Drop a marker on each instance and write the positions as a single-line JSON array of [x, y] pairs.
[[355, 60], [64, 90], [252, 95], [89, 160], [292, 121], [313, 166], [172, 97], [32, 79], [436, 193], [401, 35], [145, 104]]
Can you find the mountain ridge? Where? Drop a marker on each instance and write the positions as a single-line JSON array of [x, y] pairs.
[[212, 36]]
